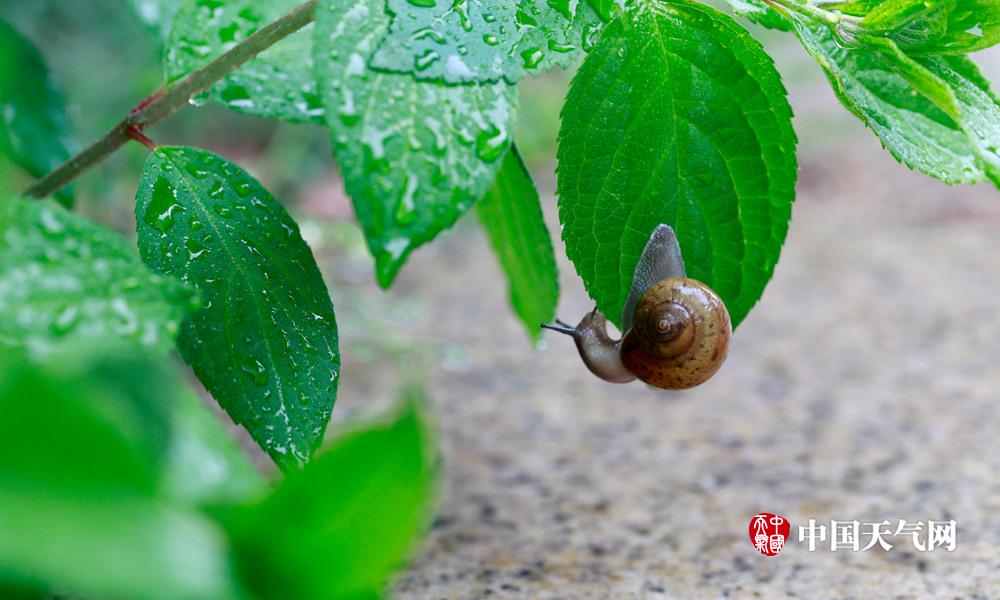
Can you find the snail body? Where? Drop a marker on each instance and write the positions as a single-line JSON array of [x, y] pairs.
[[677, 329]]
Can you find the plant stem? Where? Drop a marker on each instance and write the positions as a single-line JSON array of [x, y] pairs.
[[136, 134], [165, 102]]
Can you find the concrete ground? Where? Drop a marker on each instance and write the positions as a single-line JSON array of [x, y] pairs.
[[865, 385]]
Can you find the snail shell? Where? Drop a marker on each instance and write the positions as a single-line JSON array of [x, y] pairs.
[[680, 334], [677, 329]]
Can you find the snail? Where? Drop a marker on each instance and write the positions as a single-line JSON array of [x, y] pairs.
[[677, 329]]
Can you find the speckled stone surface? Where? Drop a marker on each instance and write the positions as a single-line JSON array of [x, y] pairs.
[[865, 385]]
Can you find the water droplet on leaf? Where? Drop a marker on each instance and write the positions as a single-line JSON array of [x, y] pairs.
[[255, 369], [405, 205], [561, 48], [160, 212], [236, 96], [194, 247], [66, 320], [196, 171], [532, 57], [432, 34], [425, 60], [491, 143]]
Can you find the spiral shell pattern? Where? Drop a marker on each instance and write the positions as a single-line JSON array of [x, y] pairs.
[[680, 334]]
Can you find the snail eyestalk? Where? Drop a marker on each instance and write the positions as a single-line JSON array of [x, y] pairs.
[[598, 351], [560, 327]]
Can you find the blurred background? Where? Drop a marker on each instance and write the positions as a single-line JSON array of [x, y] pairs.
[[865, 385]]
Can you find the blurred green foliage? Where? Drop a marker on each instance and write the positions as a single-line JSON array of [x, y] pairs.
[[80, 508], [116, 482], [65, 279], [35, 132]]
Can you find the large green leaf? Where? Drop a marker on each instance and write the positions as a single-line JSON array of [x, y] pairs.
[[338, 528], [78, 506], [35, 132], [265, 344], [935, 115], [279, 83], [938, 26], [414, 155], [679, 117], [65, 280], [512, 217], [485, 40]]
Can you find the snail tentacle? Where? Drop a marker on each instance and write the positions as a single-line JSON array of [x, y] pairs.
[[560, 327], [599, 352]]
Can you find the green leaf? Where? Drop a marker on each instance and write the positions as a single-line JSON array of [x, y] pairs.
[[890, 14], [935, 115], [65, 280], [35, 132], [512, 217], [679, 117], [341, 526], [24, 593], [955, 84], [265, 344], [485, 40], [78, 508], [205, 465], [98, 421], [113, 546], [277, 84], [917, 26], [156, 14], [414, 155], [938, 26]]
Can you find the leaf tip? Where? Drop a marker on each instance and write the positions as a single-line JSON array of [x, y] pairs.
[[389, 259]]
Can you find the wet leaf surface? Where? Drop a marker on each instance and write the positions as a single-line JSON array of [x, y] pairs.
[[278, 84], [485, 40], [265, 342], [414, 155]]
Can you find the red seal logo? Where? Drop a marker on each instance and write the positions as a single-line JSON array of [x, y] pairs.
[[768, 533]]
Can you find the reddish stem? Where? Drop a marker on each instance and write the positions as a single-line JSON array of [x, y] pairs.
[[148, 100], [162, 103], [135, 132]]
